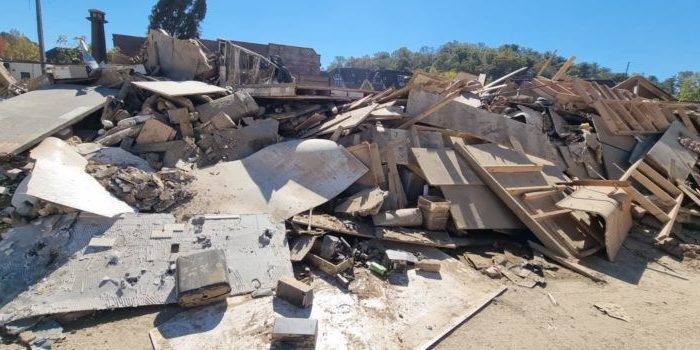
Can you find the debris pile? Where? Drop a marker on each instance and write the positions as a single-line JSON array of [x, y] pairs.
[[370, 189], [146, 191]]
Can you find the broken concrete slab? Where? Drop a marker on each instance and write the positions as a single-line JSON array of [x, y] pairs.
[[175, 58], [155, 131], [136, 270], [236, 105], [59, 177], [282, 179], [237, 143], [27, 119]]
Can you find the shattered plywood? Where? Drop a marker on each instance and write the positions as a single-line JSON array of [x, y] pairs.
[[282, 180], [360, 229], [136, 270], [27, 119]]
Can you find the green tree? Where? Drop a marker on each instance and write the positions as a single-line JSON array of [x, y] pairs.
[[690, 88], [18, 47], [180, 18]]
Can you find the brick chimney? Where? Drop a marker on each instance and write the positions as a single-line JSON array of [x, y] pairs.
[[99, 45]]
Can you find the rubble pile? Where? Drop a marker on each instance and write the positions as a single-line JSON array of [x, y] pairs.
[[401, 184], [148, 192]]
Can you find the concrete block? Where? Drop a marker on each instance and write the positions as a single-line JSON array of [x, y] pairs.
[[295, 292], [429, 265], [300, 332]]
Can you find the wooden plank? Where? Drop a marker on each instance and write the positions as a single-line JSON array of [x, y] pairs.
[[432, 109], [521, 212], [624, 114], [444, 167], [644, 117], [515, 191], [564, 68], [645, 203], [690, 193], [467, 315], [539, 194], [476, 207], [660, 194], [686, 121], [548, 214], [524, 168], [668, 226], [649, 172]]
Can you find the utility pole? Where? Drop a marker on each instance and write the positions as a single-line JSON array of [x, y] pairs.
[[628, 68], [40, 30]]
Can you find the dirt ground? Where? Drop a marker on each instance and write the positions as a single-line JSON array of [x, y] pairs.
[[658, 294]]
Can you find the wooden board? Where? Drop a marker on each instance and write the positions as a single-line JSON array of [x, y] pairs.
[[475, 207], [356, 228], [669, 156], [444, 167], [459, 115]]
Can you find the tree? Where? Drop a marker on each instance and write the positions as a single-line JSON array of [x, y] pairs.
[[18, 47], [690, 88], [180, 18]]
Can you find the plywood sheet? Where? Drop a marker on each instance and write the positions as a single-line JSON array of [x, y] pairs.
[[179, 88], [282, 180], [343, 120], [669, 156], [28, 118], [406, 314], [459, 115], [444, 167], [475, 207]]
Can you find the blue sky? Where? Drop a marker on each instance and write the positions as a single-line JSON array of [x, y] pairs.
[[657, 37]]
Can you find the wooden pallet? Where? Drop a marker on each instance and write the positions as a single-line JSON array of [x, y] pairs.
[[665, 200]]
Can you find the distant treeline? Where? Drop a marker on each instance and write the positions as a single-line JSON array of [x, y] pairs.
[[454, 57]]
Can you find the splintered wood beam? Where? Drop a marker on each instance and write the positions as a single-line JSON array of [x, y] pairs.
[[666, 230], [568, 263], [432, 109], [564, 68]]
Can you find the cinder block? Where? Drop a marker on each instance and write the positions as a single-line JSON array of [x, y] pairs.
[[300, 332], [295, 292]]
